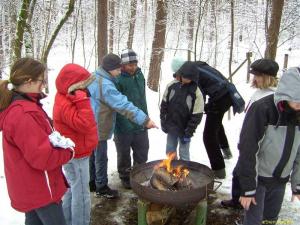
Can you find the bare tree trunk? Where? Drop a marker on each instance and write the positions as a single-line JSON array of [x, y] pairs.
[[111, 25], [158, 45], [54, 35], [200, 16], [191, 23], [273, 30], [28, 36], [57, 29], [133, 7], [82, 37], [18, 42], [76, 18], [231, 36], [102, 29], [47, 29], [1, 45]]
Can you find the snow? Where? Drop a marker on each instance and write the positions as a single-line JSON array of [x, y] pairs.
[[290, 210]]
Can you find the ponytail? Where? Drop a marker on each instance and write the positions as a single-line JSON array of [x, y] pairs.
[[5, 94]]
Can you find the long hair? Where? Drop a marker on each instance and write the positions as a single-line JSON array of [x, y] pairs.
[[268, 81], [22, 70]]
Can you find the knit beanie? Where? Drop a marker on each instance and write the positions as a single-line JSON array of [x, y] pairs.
[[111, 62], [176, 64], [128, 56], [264, 66]]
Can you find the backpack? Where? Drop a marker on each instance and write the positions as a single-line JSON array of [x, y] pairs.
[[238, 103]]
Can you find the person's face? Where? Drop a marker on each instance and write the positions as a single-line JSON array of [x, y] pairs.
[[257, 81], [115, 72], [38, 85], [130, 68], [185, 81], [294, 105]]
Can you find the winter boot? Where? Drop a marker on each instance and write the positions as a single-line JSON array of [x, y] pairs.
[[107, 192]]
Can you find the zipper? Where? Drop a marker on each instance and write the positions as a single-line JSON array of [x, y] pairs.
[[48, 184]]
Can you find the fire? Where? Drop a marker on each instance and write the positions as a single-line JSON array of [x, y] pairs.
[[178, 171]]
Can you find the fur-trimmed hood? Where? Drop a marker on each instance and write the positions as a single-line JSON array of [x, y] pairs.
[[72, 77]]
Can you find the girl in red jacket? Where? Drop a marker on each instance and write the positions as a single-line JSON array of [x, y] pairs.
[[73, 117], [33, 172]]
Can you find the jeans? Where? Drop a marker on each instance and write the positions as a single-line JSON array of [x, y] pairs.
[[48, 215], [139, 143], [77, 201], [184, 149], [98, 165], [269, 199]]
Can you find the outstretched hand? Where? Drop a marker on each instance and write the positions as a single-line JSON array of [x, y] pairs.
[[295, 196], [150, 124], [246, 201]]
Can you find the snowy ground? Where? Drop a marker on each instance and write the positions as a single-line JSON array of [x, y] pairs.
[[290, 210]]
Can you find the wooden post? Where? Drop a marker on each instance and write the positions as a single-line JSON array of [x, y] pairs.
[[286, 60], [248, 56]]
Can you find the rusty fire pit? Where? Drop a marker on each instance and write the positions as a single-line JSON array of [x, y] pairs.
[[201, 175]]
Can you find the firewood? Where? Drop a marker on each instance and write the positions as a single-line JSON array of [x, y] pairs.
[[161, 214], [165, 176], [158, 184]]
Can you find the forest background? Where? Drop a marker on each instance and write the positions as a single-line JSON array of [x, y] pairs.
[[227, 34]]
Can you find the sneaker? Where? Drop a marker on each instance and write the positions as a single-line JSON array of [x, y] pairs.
[[126, 183], [226, 153], [231, 204], [106, 192], [92, 186], [220, 174]]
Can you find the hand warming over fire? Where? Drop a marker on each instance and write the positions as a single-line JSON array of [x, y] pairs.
[[246, 201], [150, 124]]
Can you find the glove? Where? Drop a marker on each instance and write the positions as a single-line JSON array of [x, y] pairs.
[[184, 140], [58, 140], [78, 95]]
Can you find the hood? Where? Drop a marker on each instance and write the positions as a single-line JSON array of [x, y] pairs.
[[189, 71], [72, 77], [288, 86]]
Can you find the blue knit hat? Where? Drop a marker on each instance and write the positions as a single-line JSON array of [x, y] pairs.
[[176, 63]]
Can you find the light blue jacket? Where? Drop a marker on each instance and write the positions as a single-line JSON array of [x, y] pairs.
[[106, 101]]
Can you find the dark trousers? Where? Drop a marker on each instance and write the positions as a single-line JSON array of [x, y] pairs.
[[214, 136], [269, 199], [98, 165], [139, 143], [51, 214], [235, 188]]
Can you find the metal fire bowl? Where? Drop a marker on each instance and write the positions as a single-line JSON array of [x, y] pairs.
[[201, 175]]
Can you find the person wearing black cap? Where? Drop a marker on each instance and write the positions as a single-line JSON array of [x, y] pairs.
[[181, 111], [265, 81], [269, 151], [106, 102], [129, 135]]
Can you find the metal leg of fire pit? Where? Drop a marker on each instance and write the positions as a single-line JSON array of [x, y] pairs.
[[201, 212], [142, 210]]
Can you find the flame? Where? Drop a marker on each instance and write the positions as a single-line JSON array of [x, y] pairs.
[[178, 171]]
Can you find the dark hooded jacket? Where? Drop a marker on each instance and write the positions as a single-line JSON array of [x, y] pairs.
[[182, 106], [75, 119], [269, 141]]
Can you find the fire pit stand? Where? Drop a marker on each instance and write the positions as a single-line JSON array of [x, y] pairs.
[[201, 175], [200, 219]]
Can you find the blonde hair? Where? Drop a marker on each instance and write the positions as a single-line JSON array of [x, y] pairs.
[[22, 70], [268, 81]]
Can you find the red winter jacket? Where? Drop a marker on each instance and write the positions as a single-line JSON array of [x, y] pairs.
[[32, 166], [74, 118]]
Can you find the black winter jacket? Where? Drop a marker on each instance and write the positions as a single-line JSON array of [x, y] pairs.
[[181, 109]]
